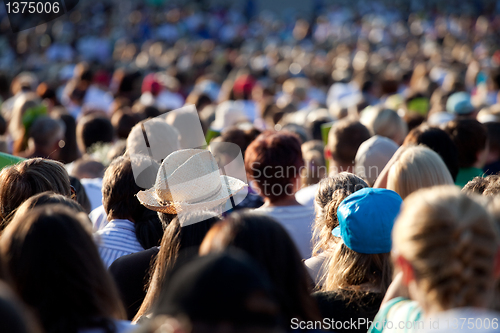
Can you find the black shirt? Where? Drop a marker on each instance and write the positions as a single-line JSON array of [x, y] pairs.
[[335, 307], [131, 274]]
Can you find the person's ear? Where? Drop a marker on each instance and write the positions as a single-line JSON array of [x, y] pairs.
[[328, 153], [407, 270]]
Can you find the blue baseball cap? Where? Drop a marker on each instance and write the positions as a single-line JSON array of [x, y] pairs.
[[459, 103], [366, 218]]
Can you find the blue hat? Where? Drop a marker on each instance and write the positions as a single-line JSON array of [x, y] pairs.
[[366, 218], [459, 103]]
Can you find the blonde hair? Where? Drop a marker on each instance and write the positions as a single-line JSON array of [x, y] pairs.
[[352, 274], [451, 242], [385, 122], [418, 167], [331, 191]]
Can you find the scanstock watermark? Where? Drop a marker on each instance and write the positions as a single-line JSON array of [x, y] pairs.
[[28, 14], [153, 147]]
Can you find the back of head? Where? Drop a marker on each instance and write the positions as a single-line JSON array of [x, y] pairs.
[[123, 121], [478, 185], [418, 167], [470, 137], [385, 122], [57, 270], [439, 141], [87, 168], [23, 180], [227, 288], [93, 129], [372, 156], [273, 161], [331, 191], [46, 132], [269, 244], [344, 139], [493, 186], [48, 198], [451, 242]]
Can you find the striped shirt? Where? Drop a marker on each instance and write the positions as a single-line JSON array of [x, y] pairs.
[[117, 239]]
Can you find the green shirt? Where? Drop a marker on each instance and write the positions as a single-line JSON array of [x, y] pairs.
[[467, 174]]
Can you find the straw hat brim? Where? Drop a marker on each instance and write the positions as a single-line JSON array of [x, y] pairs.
[[148, 198]]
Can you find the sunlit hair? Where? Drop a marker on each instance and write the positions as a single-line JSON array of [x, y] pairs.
[[352, 274], [30, 177], [48, 198], [385, 122], [418, 167], [57, 271], [266, 241], [451, 242], [16, 126], [175, 239], [331, 191]]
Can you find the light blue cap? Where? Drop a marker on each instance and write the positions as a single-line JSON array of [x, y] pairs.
[[366, 218]]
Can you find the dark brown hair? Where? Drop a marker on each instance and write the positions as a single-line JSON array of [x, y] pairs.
[[470, 137], [119, 199], [274, 159], [269, 244], [57, 270], [30, 177]]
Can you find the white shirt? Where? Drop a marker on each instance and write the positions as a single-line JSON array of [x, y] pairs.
[[99, 218], [306, 195], [116, 240], [297, 220], [93, 188]]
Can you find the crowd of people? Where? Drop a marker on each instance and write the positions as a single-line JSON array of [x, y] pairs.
[[203, 168]]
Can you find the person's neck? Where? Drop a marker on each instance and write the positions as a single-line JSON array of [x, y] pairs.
[[287, 201]]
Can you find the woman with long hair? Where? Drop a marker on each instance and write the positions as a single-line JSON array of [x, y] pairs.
[[56, 270], [359, 269], [269, 244], [330, 193]]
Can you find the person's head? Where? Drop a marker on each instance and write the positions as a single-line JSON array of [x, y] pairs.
[[459, 103], [470, 137], [30, 177], [493, 187], [344, 139], [25, 110], [182, 232], [266, 241], [69, 152], [360, 261], [48, 198], [478, 185], [123, 121], [272, 162], [445, 244], [87, 168], [493, 142], [91, 130], [57, 270], [222, 292], [437, 140], [330, 193], [119, 189], [385, 122], [45, 136], [416, 168], [372, 156]]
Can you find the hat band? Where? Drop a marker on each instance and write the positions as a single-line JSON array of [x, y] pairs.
[[194, 200]]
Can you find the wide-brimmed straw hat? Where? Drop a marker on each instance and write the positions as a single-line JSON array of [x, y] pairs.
[[189, 179]]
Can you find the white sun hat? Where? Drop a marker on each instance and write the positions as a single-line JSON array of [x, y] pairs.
[[189, 180]]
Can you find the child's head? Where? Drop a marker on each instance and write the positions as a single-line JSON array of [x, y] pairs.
[[446, 244]]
